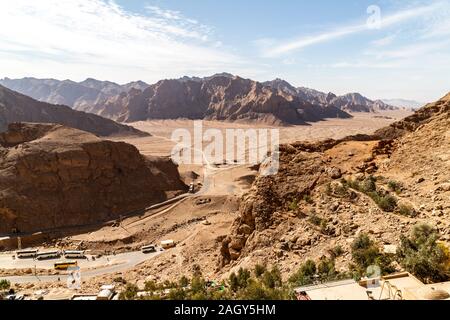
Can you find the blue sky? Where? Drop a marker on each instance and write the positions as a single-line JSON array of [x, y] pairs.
[[383, 49]]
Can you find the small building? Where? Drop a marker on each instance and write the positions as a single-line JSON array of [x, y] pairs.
[[398, 286], [338, 290], [167, 244]]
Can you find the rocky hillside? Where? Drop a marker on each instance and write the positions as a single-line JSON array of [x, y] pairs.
[[67, 92], [327, 193], [15, 107], [52, 176], [429, 113], [351, 102], [220, 97]]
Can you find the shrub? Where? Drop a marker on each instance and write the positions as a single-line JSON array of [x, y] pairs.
[[151, 286], [257, 291], [259, 270], [4, 284], [120, 280], [337, 251], [365, 253], [422, 255], [130, 292], [305, 274], [272, 279], [240, 280], [183, 282], [198, 287], [315, 219], [368, 185], [387, 203], [308, 199], [406, 210], [326, 270], [293, 205], [177, 294], [395, 186]]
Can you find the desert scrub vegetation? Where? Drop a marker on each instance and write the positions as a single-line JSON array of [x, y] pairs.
[[395, 186], [423, 255], [130, 292], [310, 273], [261, 284], [406, 210], [4, 284], [368, 186], [321, 223], [366, 254]]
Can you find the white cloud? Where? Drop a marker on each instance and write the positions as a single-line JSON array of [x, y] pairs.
[[384, 41], [80, 38], [386, 21]]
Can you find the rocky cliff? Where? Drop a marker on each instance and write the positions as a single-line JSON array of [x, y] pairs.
[[52, 176]]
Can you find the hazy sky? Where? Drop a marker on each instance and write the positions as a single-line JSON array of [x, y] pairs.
[[338, 46]]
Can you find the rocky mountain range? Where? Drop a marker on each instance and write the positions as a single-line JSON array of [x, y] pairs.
[[351, 102], [404, 103], [16, 107], [67, 92], [220, 97], [54, 176]]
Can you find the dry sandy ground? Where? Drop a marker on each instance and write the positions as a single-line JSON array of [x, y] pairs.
[[223, 187]]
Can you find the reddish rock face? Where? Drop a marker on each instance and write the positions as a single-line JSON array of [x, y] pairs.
[[52, 176]]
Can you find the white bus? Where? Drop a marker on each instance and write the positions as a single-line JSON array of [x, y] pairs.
[[48, 255], [148, 249], [74, 254], [22, 254], [167, 244]]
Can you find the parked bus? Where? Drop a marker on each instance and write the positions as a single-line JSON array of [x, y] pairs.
[[148, 249], [22, 254], [64, 265], [167, 244], [73, 254], [48, 255]]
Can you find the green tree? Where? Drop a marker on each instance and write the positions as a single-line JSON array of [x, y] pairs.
[[272, 279], [259, 270], [423, 256], [130, 292], [184, 282], [4, 284], [305, 274], [366, 253]]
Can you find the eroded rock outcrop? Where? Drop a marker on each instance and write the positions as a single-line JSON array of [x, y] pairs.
[[52, 176]]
